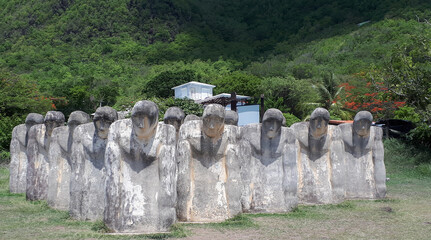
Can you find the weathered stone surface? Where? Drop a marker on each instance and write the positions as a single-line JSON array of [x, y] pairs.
[[88, 173], [209, 179], [39, 140], [141, 173], [191, 117], [174, 116], [268, 156], [18, 153], [231, 118], [320, 160], [364, 153], [59, 161]]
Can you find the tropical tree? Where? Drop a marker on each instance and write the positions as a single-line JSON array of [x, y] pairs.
[[331, 97]]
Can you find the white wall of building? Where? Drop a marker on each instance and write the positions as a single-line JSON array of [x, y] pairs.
[[194, 91]]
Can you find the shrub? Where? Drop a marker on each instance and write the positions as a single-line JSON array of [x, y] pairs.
[[7, 123], [421, 135], [407, 113], [4, 157], [290, 119]]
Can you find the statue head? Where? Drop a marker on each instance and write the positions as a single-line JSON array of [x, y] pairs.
[[145, 115], [271, 123], [174, 116], [362, 123], [231, 118], [191, 117], [52, 120], [33, 119], [103, 118], [77, 118], [213, 120], [319, 122]]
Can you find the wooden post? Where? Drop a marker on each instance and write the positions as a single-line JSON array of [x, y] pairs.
[[262, 106], [233, 101]]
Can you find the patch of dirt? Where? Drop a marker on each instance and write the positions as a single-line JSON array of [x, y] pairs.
[[387, 209]]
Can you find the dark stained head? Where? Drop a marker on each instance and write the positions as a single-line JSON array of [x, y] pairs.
[[213, 120], [33, 119], [362, 123], [145, 116], [106, 113], [191, 117], [103, 118], [77, 118], [319, 122], [271, 122], [52, 120], [174, 116], [231, 118]]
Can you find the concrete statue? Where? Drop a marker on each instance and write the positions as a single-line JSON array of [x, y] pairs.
[[209, 179], [39, 140], [59, 161], [141, 171], [88, 172], [268, 157], [320, 160], [365, 168], [18, 153]]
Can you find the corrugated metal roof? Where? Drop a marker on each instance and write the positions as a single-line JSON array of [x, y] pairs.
[[193, 82]]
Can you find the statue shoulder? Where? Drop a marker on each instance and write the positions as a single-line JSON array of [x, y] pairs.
[[83, 132], [335, 132], [59, 132], [378, 133], [345, 129], [19, 133], [60, 135], [250, 131], [288, 134], [299, 127], [232, 133], [191, 129], [300, 130], [166, 133]]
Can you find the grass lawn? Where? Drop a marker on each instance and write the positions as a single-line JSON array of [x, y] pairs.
[[404, 214]]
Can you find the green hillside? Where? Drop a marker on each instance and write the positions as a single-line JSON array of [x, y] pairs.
[[75, 54]]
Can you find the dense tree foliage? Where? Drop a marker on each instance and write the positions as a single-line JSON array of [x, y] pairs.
[[408, 73], [160, 85], [19, 96]]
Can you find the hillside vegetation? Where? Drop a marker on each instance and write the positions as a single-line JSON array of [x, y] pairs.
[[343, 55]]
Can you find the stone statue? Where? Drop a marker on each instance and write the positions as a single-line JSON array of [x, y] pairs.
[[191, 117], [39, 140], [88, 173], [209, 178], [59, 161], [365, 168], [18, 153], [268, 157], [320, 160], [231, 118], [175, 117], [141, 172]]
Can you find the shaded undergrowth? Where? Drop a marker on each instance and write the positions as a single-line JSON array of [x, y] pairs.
[[403, 159]]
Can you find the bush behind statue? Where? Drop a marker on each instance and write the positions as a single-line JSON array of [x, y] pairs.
[[421, 135]]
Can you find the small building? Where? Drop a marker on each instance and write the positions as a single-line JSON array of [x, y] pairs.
[[202, 93], [194, 90]]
